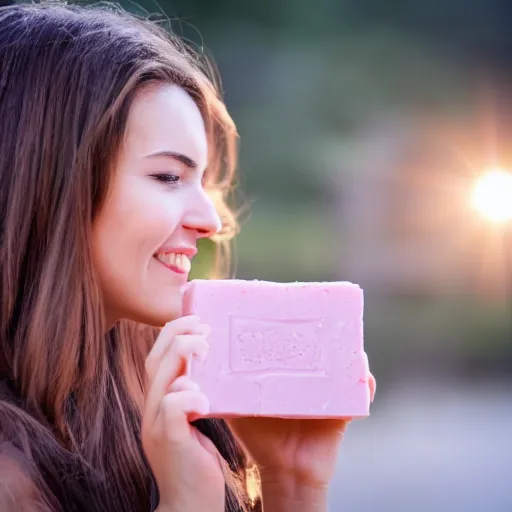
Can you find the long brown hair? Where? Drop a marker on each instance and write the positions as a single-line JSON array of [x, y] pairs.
[[70, 396]]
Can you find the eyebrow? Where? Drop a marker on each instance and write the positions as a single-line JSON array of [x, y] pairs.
[[185, 160]]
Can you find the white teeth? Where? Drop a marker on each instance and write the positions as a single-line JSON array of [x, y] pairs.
[[186, 265], [172, 259]]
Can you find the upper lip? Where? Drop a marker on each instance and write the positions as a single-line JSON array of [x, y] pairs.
[[187, 251]]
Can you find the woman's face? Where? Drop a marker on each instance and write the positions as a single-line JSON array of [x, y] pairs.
[[147, 231]]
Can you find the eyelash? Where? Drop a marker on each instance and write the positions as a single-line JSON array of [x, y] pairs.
[[167, 178]]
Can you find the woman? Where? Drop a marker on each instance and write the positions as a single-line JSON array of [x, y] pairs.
[[116, 153]]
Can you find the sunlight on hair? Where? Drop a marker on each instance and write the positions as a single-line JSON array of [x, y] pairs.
[[492, 195], [253, 484]]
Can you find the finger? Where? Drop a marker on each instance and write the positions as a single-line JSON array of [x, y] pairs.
[[210, 447], [184, 325], [179, 409], [372, 383], [183, 383], [183, 347]]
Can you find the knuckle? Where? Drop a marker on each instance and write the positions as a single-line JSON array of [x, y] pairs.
[[168, 404], [182, 344], [189, 344], [170, 407], [178, 345]]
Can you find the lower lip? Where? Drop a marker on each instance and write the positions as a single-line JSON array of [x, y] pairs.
[[177, 270]]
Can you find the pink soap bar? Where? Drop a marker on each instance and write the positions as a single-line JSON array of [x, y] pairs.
[[281, 349]]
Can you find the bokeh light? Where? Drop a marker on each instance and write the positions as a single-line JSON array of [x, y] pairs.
[[492, 195]]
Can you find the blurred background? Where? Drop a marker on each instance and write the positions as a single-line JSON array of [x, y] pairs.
[[375, 144], [370, 137]]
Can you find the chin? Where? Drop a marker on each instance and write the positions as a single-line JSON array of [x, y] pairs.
[[157, 315]]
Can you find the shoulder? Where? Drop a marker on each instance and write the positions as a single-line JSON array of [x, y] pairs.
[[18, 489], [14, 469]]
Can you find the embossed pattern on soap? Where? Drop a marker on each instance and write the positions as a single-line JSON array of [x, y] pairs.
[[276, 345]]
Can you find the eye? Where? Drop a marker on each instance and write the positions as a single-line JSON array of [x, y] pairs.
[[168, 178]]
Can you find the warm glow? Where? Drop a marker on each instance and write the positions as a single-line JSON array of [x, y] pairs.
[[492, 195]]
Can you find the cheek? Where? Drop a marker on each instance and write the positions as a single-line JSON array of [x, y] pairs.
[[151, 225], [133, 224], [138, 217]]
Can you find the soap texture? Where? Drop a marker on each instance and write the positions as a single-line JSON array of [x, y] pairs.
[[290, 350]]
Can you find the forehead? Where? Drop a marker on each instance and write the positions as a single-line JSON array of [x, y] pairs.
[[164, 117]]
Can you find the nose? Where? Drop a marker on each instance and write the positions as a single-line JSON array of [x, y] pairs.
[[202, 216]]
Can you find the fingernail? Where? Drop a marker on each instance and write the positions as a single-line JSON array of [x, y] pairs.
[[202, 352], [205, 329], [205, 408]]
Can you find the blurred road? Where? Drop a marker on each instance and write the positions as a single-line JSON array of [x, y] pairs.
[[444, 448]]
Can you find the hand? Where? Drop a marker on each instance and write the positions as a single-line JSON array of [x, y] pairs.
[[301, 451], [186, 464]]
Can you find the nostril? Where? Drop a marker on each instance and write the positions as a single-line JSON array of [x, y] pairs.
[[204, 218], [203, 232]]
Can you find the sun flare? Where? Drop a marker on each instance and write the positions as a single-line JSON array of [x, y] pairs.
[[492, 195]]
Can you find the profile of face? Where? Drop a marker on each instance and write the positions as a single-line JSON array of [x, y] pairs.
[[146, 233]]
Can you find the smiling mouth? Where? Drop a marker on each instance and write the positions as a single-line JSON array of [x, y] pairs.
[[177, 262]]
